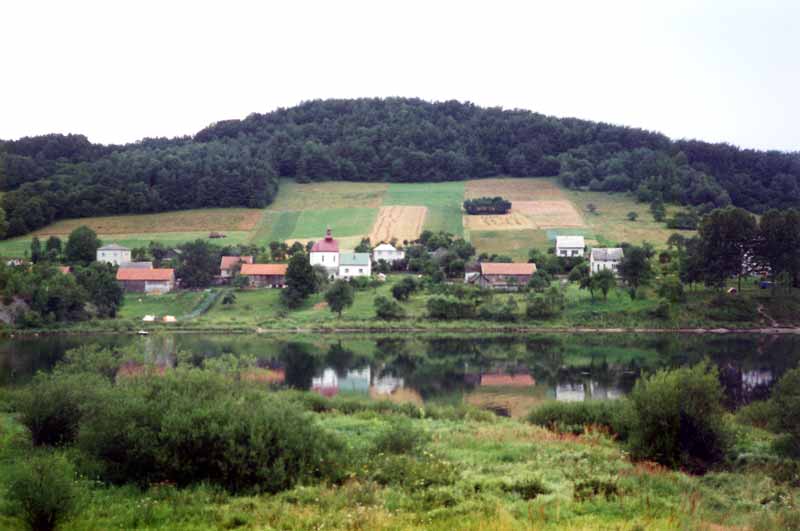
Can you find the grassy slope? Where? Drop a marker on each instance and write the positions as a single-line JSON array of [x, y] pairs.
[[303, 211], [488, 455]]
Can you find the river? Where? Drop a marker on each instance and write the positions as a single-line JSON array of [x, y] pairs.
[[507, 374]]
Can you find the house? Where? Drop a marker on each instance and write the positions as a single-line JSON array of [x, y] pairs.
[[570, 246], [354, 265], [227, 264], [388, 253], [602, 258], [146, 280], [472, 272], [326, 254], [114, 254], [505, 276], [265, 275]]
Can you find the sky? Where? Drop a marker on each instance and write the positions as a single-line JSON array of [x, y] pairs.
[[118, 71]]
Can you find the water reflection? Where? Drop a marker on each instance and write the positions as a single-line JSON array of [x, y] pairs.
[[507, 374]]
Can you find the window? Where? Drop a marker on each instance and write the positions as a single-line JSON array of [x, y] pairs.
[[346, 270], [323, 257], [360, 270]]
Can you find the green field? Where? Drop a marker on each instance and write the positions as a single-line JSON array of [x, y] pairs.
[[304, 211]]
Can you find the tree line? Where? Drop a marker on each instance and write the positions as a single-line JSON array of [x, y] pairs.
[[238, 162]]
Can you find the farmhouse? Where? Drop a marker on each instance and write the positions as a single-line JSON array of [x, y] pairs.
[[326, 253], [570, 246], [146, 280], [505, 276], [114, 254], [388, 253], [228, 264], [265, 275], [354, 265], [603, 258]]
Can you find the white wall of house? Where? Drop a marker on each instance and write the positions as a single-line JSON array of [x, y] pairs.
[[116, 256], [569, 251], [157, 286], [350, 271], [600, 265], [327, 260], [389, 256]]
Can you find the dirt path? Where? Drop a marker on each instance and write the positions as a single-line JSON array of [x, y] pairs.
[[767, 317]]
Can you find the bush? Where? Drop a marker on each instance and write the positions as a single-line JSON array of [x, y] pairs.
[[450, 308], [786, 400], [400, 437], [573, 417], [761, 414], [550, 304], [527, 489], [403, 289], [194, 426], [42, 491], [388, 310], [506, 312], [52, 406], [676, 418], [672, 289], [662, 311], [726, 307]]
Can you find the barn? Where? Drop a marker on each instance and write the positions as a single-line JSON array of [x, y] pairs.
[[265, 275], [504, 276], [146, 280]]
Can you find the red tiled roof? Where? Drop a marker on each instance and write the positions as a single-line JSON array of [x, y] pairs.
[[228, 262], [64, 269], [493, 268], [145, 274], [264, 269], [328, 245]]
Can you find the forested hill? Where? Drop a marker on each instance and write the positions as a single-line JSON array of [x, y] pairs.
[[238, 162]]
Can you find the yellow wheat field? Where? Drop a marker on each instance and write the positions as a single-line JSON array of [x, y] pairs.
[[510, 221], [549, 214], [401, 222]]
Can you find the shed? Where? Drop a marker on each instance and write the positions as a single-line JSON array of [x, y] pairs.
[[505, 276], [146, 280], [265, 275]]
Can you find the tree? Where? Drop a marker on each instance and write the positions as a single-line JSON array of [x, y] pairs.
[[53, 244], [100, 282], [3, 224], [296, 247], [658, 210], [403, 289], [301, 281], [388, 309], [778, 243], [199, 264], [591, 208], [36, 250], [339, 296], [364, 246], [539, 281], [604, 280], [82, 246], [635, 268], [633, 216], [727, 241]]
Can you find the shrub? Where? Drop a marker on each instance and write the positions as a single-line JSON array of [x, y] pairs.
[[42, 491], [450, 308], [786, 400], [671, 289], [573, 417], [403, 289], [726, 307], [506, 312], [194, 426], [413, 473], [387, 309], [761, 414], [527, 489], [591, 488], [676, 418], [229, 298], [52, 406], [400, 437], [550, 304], [662, 311]]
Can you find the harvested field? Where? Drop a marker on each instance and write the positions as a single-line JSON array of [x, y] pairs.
[[549, 214], [329, 194], [511, 221], [211, 219], [514, 189], [401, 222]]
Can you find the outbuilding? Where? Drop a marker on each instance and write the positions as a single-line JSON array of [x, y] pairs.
[[265, 275], [505, 276], [605, 258], [388, 253], [146, 280], [228, 264]]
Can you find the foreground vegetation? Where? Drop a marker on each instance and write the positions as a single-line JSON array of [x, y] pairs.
[[125, 446]]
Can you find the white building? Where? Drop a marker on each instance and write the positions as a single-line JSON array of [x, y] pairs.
[[114, 254], [387, 252], [354, 265], [603, 258], [570, 246], [326, 253]]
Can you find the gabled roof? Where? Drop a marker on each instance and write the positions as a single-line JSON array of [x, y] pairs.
[[570, 241], [607, 253], [354, 259], [385, 247], [264, 269], [497, 268], [113, 247], [328, 245], [161, 275], [227, 262]]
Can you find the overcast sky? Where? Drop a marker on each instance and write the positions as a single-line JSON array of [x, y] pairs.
[[118, 71]]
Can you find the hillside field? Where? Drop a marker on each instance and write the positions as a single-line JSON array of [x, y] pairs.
[[542, 209]]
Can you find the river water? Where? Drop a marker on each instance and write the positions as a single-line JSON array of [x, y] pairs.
[[507, 374]]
